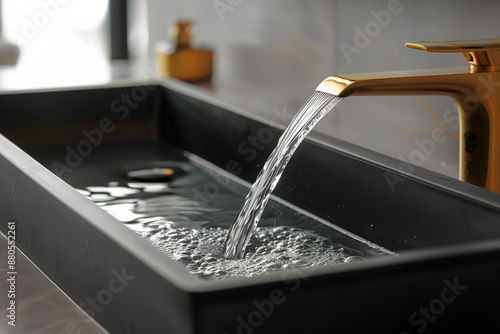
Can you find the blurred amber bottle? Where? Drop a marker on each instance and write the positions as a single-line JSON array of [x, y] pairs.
[[182, 61]]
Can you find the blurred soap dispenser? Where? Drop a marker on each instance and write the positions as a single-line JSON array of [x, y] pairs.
[[179, 60]]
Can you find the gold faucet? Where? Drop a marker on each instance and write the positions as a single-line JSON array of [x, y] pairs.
[[476, 91]]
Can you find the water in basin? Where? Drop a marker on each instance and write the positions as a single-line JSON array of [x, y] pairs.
[[188, 219]]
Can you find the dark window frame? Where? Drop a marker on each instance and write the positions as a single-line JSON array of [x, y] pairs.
[[118, 29]]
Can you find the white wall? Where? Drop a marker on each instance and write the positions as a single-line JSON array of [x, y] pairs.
[[273, 54], [268, 54]]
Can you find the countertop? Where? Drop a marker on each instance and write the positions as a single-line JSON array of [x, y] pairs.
[[41, 307]]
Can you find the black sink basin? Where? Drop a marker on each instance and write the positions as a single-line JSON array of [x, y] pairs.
[[446, 233]]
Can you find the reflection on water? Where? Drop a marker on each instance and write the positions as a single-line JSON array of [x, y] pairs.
[[188, 218]]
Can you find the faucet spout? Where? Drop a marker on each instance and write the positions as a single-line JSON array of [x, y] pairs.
[[475, 90], [417, 82]]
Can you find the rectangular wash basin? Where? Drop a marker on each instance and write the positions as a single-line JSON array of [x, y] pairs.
[[446, 233]]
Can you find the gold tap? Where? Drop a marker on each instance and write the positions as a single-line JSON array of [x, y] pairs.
[[476, 91]]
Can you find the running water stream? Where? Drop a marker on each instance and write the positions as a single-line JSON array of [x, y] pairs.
[[318, 105], [194, 231]]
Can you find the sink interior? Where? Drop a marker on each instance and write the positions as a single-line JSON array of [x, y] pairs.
[[201, 199]]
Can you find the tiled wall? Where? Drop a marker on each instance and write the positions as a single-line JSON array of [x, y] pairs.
[[272, 54]]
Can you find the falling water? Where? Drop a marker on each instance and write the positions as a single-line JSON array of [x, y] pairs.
[[198, 233], [246, 222]]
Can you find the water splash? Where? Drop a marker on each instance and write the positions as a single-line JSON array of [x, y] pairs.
[[318, 105], [269, 249]]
